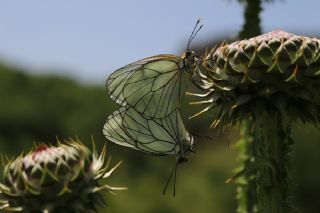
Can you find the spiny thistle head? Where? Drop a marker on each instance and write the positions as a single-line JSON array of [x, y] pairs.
[[277, 71], [62, 178]]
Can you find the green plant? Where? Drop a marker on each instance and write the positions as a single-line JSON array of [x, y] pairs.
[[265, 83], [62, 178]]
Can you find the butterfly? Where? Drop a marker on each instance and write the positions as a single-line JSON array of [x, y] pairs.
[[154, 86], [155, 136]]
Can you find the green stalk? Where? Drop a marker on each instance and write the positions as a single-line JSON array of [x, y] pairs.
[[251, 26], [264, 152], [246, 190]]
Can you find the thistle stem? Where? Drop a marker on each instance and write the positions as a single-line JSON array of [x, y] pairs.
[[264, 147], [251, 26]]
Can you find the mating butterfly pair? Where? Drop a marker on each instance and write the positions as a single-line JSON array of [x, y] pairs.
[[150, 93]]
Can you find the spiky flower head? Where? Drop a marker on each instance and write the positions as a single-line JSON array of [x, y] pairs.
[[62, 178], [277, 71]]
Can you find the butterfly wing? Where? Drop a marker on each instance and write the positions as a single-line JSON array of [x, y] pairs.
[[129, 128], [153, 86]]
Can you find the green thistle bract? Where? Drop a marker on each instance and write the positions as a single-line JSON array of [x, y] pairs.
[[62, 178], [276, 71]]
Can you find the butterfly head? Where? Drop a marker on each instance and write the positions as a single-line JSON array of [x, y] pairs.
[[182, 160], [190, 60]]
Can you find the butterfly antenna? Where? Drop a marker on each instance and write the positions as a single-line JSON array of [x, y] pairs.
[[174, 171], [175, 179], [194, 33]]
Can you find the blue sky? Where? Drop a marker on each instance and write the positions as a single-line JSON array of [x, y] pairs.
[[87, 40]]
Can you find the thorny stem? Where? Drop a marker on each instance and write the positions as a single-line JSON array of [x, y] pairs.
[[264, 147]]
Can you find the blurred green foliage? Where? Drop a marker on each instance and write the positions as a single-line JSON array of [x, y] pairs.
[[37, 108], [41, 108]]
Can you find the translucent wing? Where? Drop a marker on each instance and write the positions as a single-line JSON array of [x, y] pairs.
[[153, 86], [167, 136]]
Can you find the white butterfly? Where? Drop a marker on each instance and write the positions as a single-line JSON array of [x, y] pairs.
[[165, 136], [154, 86]]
